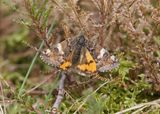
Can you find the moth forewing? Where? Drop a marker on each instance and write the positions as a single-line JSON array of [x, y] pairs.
[[55, 55]]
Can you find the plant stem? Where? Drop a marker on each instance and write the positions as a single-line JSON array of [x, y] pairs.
[[29, 70]]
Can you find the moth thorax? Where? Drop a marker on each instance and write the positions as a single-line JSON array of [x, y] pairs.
[[81, 41], [78, 48]]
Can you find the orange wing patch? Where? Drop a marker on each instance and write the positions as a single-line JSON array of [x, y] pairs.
[[90, 66], [65, 65]]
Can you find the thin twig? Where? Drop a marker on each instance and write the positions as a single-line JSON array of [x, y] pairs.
[[6, 83], [77, 15], [139, 106], [60, 7], [1, 88], [60, 94], [139, 110], [1, 110], [29, 91]]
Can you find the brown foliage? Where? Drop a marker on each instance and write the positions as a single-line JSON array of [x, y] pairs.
[[128, 26]]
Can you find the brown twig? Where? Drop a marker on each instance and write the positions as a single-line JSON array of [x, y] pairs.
[[77, 15], [60, 94], [4, 109], [31, 90]]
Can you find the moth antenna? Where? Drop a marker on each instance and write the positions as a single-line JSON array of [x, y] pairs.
[[31, 46]]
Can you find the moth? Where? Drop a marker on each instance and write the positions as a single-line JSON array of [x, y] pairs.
[[79, 55]]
